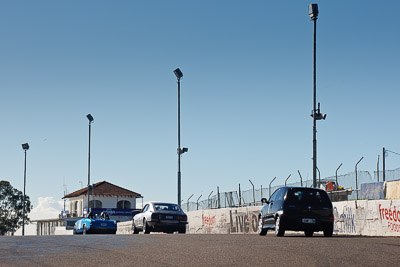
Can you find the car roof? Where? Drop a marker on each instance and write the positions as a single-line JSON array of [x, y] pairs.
[[160, 202], [299, 187]]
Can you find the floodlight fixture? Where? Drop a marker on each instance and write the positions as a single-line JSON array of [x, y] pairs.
[[178, 73], [313, 11], [90, 117], [182, 150], [25, 146]]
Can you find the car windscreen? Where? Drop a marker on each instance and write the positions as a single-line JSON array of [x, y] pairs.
[[306, 196], [166, 206]]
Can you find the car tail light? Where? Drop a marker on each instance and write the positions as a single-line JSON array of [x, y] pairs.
[[182, 218], [332, 218], [155, 216]]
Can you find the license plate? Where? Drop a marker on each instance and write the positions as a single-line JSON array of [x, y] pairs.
[[169, 217], [308, 220]]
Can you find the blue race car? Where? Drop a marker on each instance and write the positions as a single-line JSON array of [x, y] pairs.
[[94, 225]]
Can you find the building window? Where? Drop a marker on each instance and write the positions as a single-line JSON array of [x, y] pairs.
[[123, 204], [75, 208], [95, 204]]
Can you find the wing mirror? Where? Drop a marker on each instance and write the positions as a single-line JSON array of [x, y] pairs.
[[264, 201]]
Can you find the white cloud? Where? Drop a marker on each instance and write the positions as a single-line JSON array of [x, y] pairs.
[[47, 208]]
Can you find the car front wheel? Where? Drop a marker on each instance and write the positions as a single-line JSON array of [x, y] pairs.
[[146, 227], [260, 229], [84, 229], [134, 229], [279, 230]]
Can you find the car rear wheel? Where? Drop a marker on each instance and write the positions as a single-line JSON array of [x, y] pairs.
[[182, 230], [134, 229], [328, 232], [279, 230], [146, 227], [309, 233], [260, 229], [84, 229]]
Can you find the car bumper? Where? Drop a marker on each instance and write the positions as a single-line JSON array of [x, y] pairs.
[[167, 226], [296, 223], [99, 230]]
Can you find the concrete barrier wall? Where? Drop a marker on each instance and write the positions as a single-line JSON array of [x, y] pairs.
[[214, 221], [124, 228], [367, 217], [362, 217], [223, 221]]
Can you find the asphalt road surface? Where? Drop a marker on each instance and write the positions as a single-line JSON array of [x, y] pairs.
[[198, 250]]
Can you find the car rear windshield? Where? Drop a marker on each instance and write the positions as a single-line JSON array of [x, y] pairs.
[[307, 196], [166, 206]]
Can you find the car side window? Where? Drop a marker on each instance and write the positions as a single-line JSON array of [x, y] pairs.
[[145, 208], [279, 195], [273, 196]]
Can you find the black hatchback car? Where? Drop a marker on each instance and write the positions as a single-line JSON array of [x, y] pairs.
[[297, 209]]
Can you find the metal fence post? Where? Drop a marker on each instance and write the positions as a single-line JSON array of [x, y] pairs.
[[377, 168], [337, 185], [198, 202], [301, 178], [240, 197], [188, 202], [319, 177], [269, 188], [254, 197], [208, 206], [218, 199], [287, 178], [356, 177]]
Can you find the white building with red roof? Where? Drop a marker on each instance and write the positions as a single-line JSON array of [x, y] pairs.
[[103, 195]]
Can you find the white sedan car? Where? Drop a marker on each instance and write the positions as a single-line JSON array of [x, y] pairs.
[[160, 217]]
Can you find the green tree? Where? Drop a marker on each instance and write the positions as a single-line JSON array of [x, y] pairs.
[[11, 207]]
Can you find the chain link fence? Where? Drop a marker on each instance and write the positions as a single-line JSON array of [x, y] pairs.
[[253, 197]]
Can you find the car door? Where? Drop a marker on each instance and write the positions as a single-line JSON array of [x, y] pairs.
[[139, 218], [269, 216], [278, 201]]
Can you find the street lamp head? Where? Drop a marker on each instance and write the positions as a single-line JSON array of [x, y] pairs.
[[25, 146], [182, 150], [90, 117], [178, 73], [313, 11], [319, 116]]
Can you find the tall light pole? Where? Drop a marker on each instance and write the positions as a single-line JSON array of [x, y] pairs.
[[316, 114], [91, 119], [178, 73], [25, 147]]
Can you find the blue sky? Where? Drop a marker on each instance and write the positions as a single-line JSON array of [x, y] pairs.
[[246, 92]]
